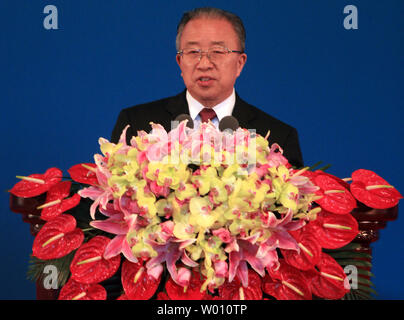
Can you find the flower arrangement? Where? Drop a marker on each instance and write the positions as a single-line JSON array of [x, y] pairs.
[[199, 214]]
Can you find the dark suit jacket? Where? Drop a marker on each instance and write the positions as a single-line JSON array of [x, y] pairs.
[[165, 110]]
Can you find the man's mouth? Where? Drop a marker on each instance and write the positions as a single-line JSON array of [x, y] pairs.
[[205, 81]]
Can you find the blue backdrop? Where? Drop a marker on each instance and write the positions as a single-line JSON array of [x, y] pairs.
[[63, 89]]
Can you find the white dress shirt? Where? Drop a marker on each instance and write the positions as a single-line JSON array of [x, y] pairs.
[[223, 109]]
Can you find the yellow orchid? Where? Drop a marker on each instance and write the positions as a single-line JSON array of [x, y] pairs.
[[109, 148], [205, 179], [218, 191], [185, 191], [201, 212], [280, 172], [171, 175], [195, 251], [153, 169], [285, 193], [119, 185], [184, 230], [140, 247], [168, 207], [146, 202]]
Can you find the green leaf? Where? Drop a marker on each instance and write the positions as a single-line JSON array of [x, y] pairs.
[[357, 263], [349, 246], [357, 296], [325, 167], [350, 254], [311, 168], [36, 267], [366, 273], [365, 289]]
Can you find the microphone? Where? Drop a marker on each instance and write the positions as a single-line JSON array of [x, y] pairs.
[[184, 116], [228, 122]]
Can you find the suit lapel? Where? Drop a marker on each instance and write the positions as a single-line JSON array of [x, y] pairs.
[[178, 105], [243, 112]]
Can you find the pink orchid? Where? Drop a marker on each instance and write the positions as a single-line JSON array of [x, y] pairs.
[[170, 251], [102, 193], [162, 142], [280, 237], [122, 219], [304, 184], [275, 157], [158, 148], [98, 195], [120, 225], [261, 170], [142, 135], [159, 190], [110, 209], [180, 133], [122, 139], [223, 234], [127, 205], [245, 251]]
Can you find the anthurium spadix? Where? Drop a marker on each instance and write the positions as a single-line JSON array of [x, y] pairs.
[[36, 184]]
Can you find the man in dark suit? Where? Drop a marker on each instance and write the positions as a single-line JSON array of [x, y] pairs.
[[211, 55]]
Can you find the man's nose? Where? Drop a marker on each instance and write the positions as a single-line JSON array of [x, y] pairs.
[[204, 61]]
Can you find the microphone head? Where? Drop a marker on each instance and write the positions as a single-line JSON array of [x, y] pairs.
[[228, 122], [184, 116]]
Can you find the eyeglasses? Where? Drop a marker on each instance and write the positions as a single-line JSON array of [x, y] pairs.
[[214, 54]]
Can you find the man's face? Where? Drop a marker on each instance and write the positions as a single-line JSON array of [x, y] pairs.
[[210, 83]]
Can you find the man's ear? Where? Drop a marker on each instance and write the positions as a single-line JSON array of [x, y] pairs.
[[241, 62], [178, 59]]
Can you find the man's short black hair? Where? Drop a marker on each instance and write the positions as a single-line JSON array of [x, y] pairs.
[[212, 13]]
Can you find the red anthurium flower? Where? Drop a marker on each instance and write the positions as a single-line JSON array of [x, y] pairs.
[[136, 282], [310, 250], [163, 296], [190, 292], [89, 266], [84, 173], [236, 291], [286, 283], [339, 180], [373, 191], [57, 238], [36, 184], [56, 203], [73, 290], [328, 280], [335, 197], [333, 231]]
